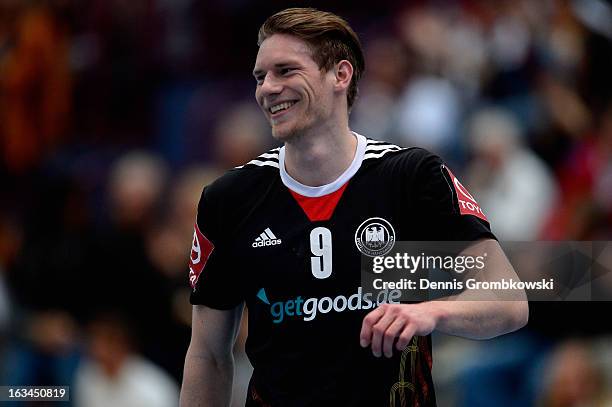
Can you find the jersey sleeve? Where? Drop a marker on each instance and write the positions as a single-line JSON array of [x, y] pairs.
[[213, 272], [450, 212]]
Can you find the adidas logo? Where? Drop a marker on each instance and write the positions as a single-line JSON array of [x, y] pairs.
[[266, 238]]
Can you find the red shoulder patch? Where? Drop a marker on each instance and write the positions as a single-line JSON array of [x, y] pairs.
[[467, 203], [201, 248]]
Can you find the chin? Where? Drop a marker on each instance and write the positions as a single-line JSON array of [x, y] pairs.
[[283, 133], [288, 131]]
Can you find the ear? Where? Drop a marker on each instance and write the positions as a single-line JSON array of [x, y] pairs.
[[343, 75]]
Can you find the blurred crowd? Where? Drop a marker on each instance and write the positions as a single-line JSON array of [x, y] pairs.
[[114, 115]]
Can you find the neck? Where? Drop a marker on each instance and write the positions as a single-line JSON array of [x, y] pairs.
[[320, 158]]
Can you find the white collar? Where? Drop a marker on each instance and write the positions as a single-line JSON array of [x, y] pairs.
[[309, 191]]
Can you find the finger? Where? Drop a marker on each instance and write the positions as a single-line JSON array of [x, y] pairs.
[[365, 336], [405, 337], [390, 334], [378, 332]]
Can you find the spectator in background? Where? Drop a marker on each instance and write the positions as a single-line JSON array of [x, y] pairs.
[[121, 269], [572, 378], [136, 182], [512, 184], [240, 135], [187, 190], [45, 272], [374, 110], [165, 248], [112, 374], [428, 114], [445, 60], [35, 87], [585, 210]]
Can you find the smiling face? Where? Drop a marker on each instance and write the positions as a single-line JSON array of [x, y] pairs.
[[293, 92]]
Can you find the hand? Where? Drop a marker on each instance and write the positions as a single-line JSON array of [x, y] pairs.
[[382, 326]]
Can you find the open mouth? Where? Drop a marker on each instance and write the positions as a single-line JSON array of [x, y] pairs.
[[281, 107]]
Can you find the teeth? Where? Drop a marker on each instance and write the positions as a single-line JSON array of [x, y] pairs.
[[281, 106]]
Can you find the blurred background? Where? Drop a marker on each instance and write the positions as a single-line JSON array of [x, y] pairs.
[[114, 115]]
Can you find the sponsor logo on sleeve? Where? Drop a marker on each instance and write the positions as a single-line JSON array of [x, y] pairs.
[[201, 248], [467, 203]]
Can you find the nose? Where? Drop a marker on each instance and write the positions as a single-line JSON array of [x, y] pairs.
[[270, 85]]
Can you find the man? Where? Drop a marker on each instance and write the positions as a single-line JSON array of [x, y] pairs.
[[284, 235]]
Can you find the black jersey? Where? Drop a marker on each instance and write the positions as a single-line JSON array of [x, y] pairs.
[[292, 254]]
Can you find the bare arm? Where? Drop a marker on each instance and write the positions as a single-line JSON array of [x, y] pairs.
[[209, 364], [469, 314]]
